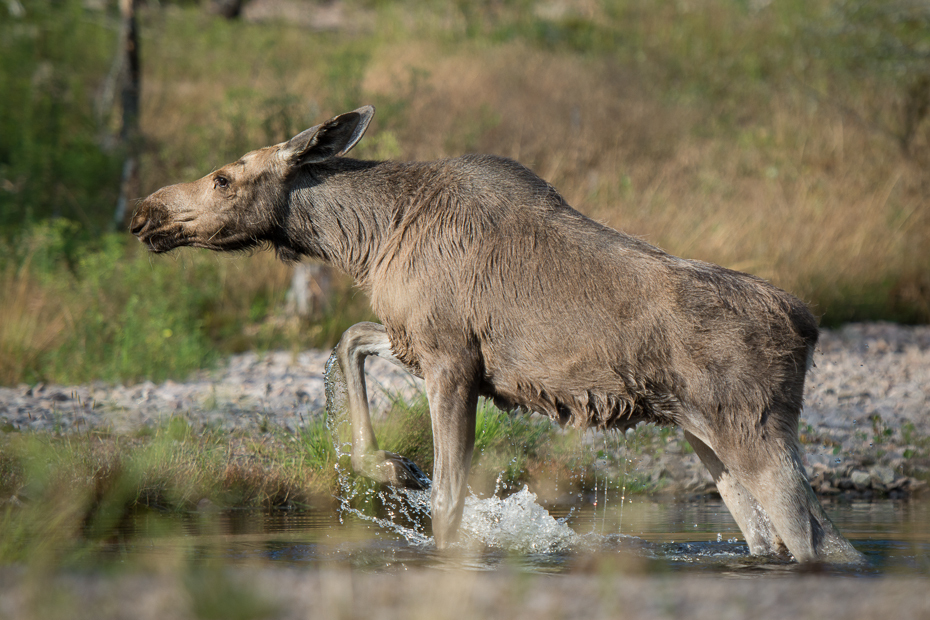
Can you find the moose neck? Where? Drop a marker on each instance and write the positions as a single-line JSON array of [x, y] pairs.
[[339, 211]]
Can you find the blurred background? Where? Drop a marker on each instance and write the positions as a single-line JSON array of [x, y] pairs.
[[786, 138]]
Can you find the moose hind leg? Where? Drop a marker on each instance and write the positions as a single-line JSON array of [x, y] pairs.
[[770, 469], [746, 510], [357, 343]]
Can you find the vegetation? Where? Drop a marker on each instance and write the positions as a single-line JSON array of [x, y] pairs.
[[77, 311], [788, 139], [64, 498]]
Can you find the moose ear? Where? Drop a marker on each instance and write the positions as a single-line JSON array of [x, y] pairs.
[[333, 138]]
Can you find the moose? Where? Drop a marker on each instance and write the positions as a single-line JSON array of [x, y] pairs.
[[489, 284]]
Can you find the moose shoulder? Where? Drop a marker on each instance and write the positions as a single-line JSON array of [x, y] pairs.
[[489, 284]]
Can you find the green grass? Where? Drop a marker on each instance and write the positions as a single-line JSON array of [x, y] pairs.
[[506, 445], [78, 312], [919, 444], [51, 162], [65, 498]]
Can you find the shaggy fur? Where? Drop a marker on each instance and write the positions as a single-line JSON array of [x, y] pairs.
[[488, 283]]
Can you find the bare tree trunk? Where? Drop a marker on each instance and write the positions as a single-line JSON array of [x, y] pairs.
[[129, 101], [310, 288]]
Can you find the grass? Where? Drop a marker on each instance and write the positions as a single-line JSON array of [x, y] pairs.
[[30, 325], [53, 57], [65, 498], [111, 312], [764, 137]]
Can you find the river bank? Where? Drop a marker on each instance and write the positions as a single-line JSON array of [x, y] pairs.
[[865, 429]]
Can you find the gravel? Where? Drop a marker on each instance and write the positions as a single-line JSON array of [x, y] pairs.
[[251, 392], [864, 430]]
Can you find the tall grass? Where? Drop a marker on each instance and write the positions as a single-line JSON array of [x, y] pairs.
[[766, 137], [30, 325], [112, 312], [65, 498]]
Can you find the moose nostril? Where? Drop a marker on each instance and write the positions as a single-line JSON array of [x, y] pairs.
[[137, 224]]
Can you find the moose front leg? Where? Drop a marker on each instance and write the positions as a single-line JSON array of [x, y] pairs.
[[357, 343], [452, 390]]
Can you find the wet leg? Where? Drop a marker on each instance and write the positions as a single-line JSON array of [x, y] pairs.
[[748, 513], [772, 473], [452, 390], [357, 343]]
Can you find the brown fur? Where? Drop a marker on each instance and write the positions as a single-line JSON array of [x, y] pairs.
[[488, 283]]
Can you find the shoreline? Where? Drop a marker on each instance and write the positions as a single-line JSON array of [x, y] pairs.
[[865, 428]]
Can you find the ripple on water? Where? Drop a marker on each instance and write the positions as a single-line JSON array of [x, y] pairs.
[[495, 528]]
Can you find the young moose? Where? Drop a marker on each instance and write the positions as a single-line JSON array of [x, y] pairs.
[[489, 284]]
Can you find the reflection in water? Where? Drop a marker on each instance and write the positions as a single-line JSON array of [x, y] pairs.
[[385, 530], [517, 532]]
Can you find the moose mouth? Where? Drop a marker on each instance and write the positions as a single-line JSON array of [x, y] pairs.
[[159, 238], [162, 238]]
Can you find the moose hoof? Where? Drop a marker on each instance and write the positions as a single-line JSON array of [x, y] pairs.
[[398, 471]]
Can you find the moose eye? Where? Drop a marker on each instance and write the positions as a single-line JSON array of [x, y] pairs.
[[220, 182]]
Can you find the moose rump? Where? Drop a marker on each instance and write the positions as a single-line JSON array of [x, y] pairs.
[[488, 283]]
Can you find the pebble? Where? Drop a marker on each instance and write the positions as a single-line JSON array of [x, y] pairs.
[[865, 426]]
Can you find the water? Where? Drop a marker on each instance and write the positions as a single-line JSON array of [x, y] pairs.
[[382, 529], [518, 532]]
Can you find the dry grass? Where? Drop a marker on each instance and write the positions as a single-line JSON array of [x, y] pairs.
[[799, 195], [781, 184], [32, 320], [707, 132]]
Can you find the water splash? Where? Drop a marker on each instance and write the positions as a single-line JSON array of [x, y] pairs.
[[626, 456], [517, 524], [399, 506], [337, 407]]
